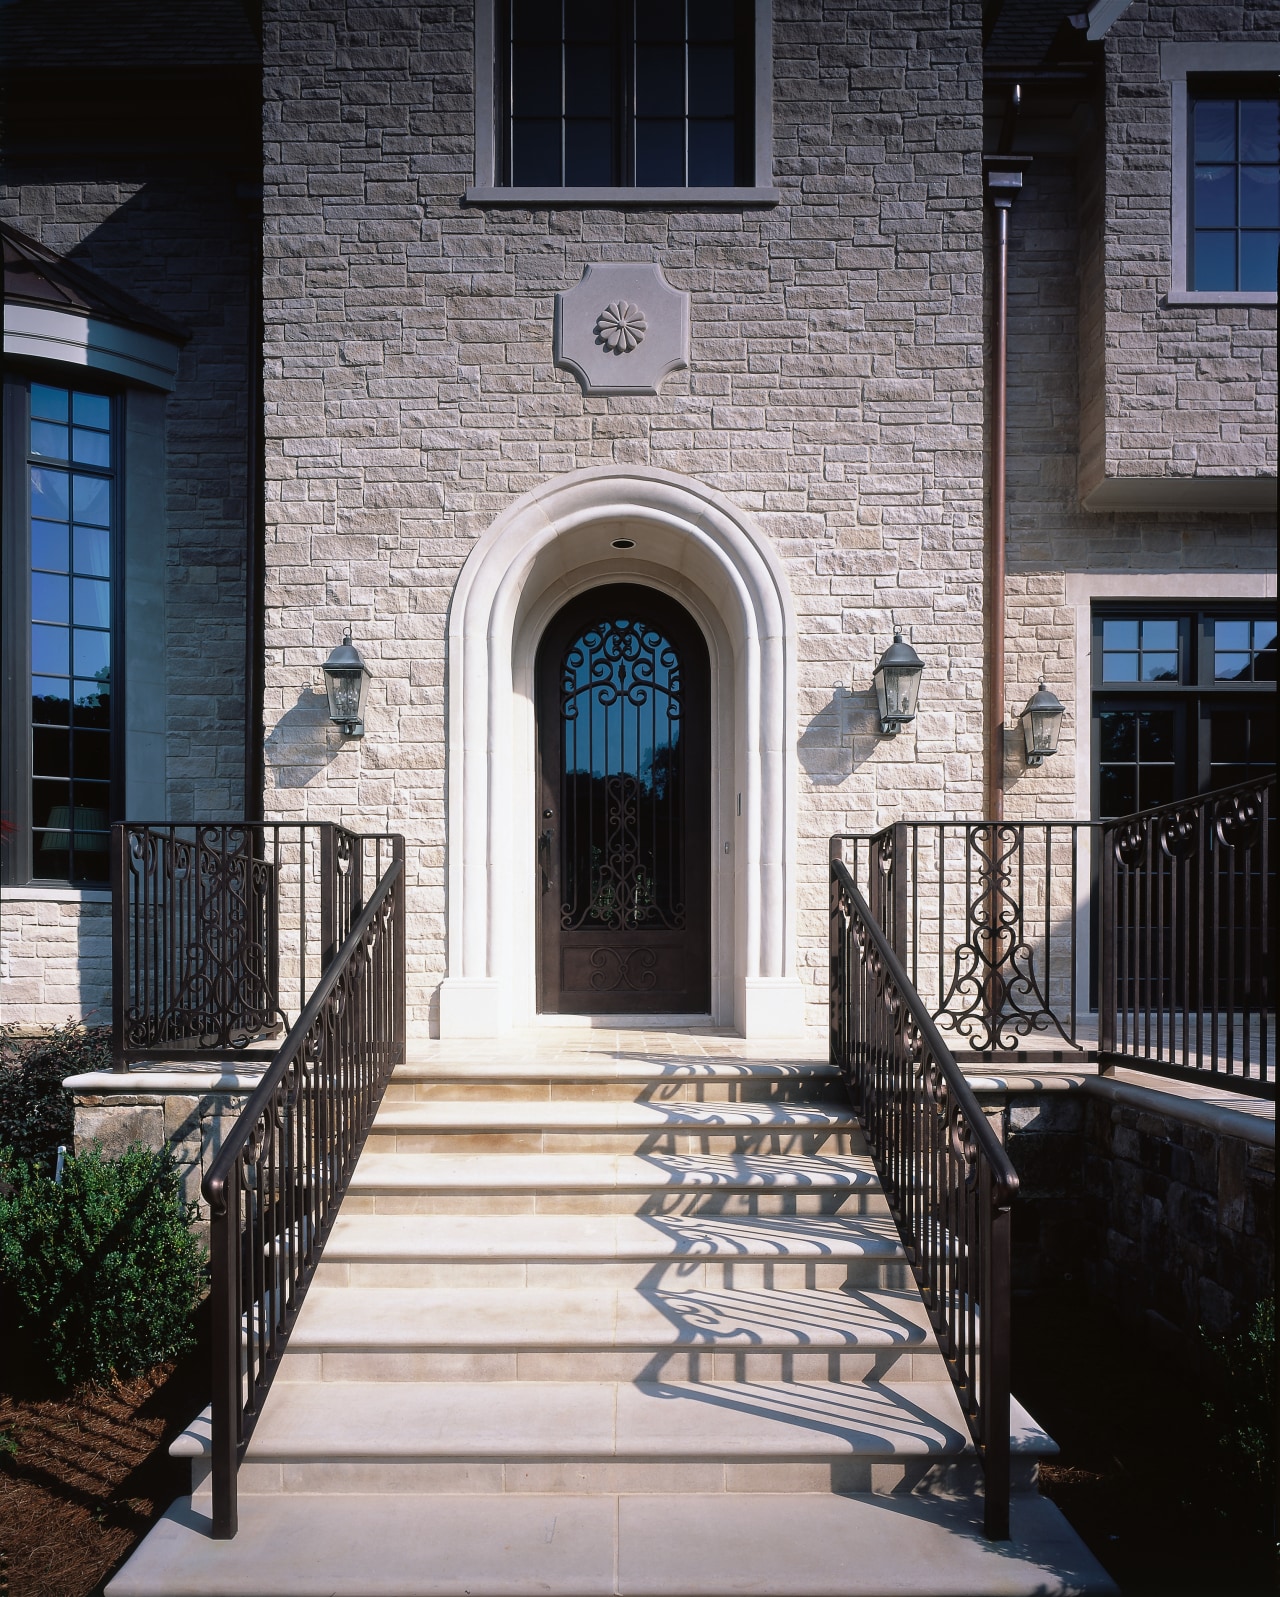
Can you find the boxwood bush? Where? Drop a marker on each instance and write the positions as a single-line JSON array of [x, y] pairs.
[[99, 1274], [36, 1114]]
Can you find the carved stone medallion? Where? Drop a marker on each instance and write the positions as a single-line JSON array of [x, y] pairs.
[[622, 329]]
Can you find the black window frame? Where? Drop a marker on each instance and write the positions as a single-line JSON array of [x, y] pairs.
[[623, 178], [1206, 86], [1196, 691], [18, 866]]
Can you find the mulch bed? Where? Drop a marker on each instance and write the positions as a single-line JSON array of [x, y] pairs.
[[1132, 1475], [84, 1476]]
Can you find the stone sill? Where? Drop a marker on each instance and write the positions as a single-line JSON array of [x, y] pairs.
[[164, 1078], [1191, 296], [631, 198], [36, 894]]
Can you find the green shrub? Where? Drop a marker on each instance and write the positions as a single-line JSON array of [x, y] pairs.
[[35, 1113], [1240, 1422], [101, 1273]]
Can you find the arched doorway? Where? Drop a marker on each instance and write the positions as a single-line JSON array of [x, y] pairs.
[[604, 525], [624, 799]]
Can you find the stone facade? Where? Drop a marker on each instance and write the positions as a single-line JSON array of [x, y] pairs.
[[1171, 390], [835, 396]]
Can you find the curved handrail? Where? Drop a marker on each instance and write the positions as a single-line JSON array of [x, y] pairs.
[[278, 1180], [1005, 1176], [946, 1177]]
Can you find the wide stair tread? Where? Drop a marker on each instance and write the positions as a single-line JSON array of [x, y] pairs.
[[574, 1114], [611, 1237], [382, 1318], [643, 1545], [624, 1420], [605, 1172], [602, 1067]]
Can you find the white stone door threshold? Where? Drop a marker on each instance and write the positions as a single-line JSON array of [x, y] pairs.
[[626, 1022]]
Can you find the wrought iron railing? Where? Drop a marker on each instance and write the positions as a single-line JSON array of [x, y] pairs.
[[1188, 939], [988, 919], [220, 931], [275, 1185], [948, 1181]]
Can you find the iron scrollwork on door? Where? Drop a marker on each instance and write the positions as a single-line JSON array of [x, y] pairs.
[[621, 708]]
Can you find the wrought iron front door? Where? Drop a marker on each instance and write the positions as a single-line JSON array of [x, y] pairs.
[[624, 807]]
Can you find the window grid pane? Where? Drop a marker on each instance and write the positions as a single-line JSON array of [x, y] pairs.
[[1235, 192], [648, 95], [70, 596]]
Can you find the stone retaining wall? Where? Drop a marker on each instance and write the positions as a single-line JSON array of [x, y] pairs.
[[1163, 1207]]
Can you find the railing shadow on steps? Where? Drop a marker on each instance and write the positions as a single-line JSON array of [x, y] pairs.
[[275, 1185], [948, 1181]]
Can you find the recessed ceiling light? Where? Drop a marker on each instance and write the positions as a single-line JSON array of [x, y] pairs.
[[624, 543]]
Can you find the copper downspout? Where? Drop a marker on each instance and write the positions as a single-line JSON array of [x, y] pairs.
[[995, 581], [1003, 180]]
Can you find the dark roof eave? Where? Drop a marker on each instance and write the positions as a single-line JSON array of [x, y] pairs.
[[34, 275]]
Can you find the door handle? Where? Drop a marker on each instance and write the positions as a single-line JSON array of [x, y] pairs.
[[544, 857]]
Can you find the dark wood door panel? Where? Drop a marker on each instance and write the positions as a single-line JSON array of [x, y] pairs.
[[624, 865]]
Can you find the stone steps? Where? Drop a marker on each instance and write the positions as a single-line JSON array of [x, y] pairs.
[[669, 1251], [569, 1287], [612, 1436], [601, 1183], [569, 1125]]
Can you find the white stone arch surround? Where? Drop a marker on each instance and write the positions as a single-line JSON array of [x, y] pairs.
[[549, 545]]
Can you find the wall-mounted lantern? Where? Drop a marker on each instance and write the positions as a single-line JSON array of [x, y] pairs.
[[1041, 722], [346, 677], [897, 680]]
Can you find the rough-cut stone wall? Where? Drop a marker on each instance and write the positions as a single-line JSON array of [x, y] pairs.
[[55, 962], [834, 392], [1185, 1216], [1175, 390], [1163, 1208], [192, 1124], [1050, 534]]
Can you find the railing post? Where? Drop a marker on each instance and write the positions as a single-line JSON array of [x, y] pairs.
[[1107, 941], [898, 887], [224, 1261], [119, 939], [835, 986], [399, 996], [997, 1335], [328, 893]]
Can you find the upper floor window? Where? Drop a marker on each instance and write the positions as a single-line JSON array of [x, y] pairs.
[[70, 498], [651, 100], [644, 94], [1235, 184]]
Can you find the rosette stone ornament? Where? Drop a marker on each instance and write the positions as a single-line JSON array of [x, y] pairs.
[[622, 328]]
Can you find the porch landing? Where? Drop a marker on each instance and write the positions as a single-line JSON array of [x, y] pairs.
[[611, 1313]]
